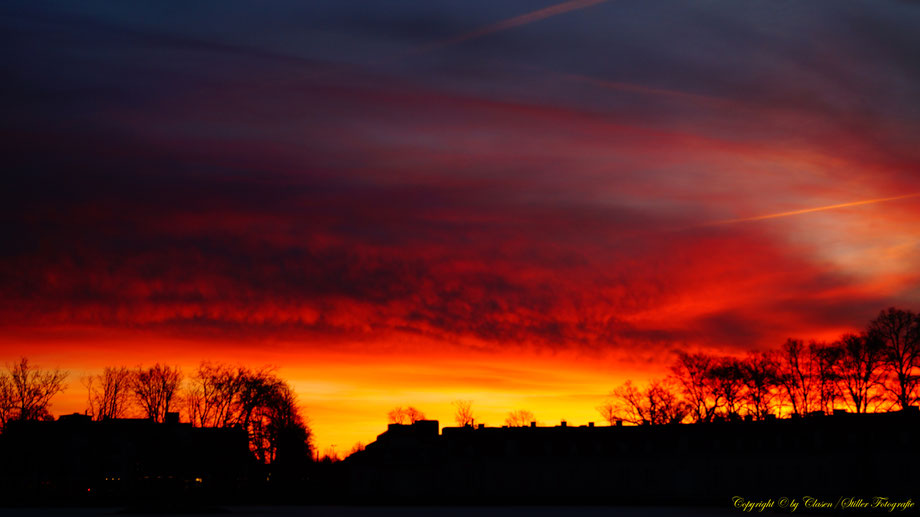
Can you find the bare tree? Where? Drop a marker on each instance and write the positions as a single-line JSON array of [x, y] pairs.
[[760, 373], [625, 403], [258, 401], [859, 368], [727, 376], [665, 404], [26, 391], [826, 375], [155, 390], [609, 411], [899, 332], [6, 399], [464, 412], [109, 393], [407, 415], [215, 394], [356, 448], [657, 404], [693, 372], [797, 367], [519, 418], [260, 391]]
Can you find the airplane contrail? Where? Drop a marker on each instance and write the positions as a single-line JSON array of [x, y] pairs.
[[517, 21], [811, 210]]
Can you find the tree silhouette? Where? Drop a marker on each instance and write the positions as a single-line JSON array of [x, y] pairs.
[[657, 404], [330, 455], [859, 368], [878, 369], [463, 414], [519, 418], [356, 448], [6, 399], [899, 333], [760, 374], [215, 394], [693, 372], [797, 367], [26, 391], [155, 390], [407, 415], [109, 393], [728, 381], [827, 373], [279, 432], [256, 401]]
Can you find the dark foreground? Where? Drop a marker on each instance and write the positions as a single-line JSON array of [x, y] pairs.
[[387, 511], [838, 461]]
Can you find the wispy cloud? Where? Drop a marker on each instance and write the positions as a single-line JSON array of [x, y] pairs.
[[510, 23]]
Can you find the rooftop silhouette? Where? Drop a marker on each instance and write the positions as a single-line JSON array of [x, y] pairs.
[[835, 454], [128, 461], [78, 458]]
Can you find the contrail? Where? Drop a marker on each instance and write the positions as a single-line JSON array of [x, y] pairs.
[[517, 21], [810, 210]]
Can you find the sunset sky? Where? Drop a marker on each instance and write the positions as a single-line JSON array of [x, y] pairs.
[[519, 203]]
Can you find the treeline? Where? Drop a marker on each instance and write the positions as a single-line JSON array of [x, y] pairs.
[[214, 395], [463, 415], [875, 370]]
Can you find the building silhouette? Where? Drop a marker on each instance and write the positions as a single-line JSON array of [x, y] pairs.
[[834, 455], [75, 459]]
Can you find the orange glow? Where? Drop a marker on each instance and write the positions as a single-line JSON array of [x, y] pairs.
[[346, 395]]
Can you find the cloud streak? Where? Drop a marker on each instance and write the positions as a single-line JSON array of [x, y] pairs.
[[803, 211], [511, 23]]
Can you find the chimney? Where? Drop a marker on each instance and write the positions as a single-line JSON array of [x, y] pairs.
[[563, 424], [619, 423], [172, 418], [590, 424], [533, 424]]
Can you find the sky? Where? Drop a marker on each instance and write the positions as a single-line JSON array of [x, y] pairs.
[[518, 203]]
